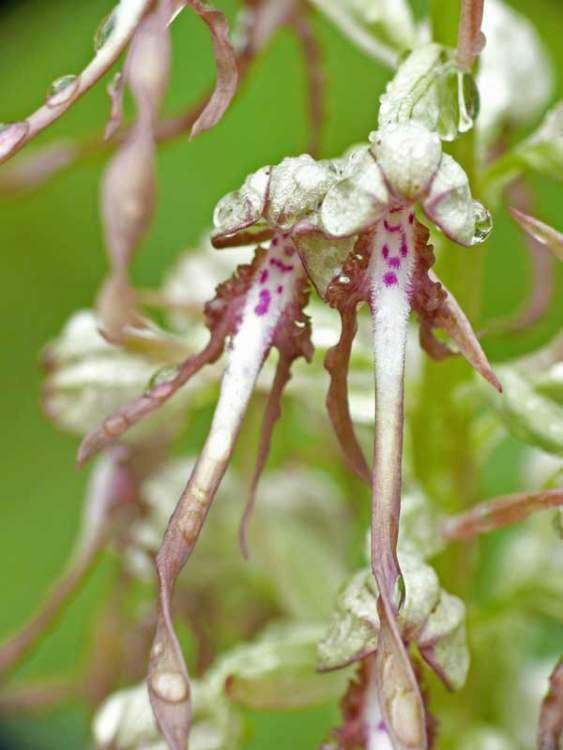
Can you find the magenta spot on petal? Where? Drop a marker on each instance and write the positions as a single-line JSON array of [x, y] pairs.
[[275, 241], [289, 251], [404, 249], [385, 251], [264, 304], [391, 227], [390, 278], [394, 262], [279, 290], [263, 277], [411, 218], [284, 268]]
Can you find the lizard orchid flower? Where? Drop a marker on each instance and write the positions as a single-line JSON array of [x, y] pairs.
[[390, 271]]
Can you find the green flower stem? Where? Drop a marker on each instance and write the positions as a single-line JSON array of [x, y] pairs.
[[444, 21]]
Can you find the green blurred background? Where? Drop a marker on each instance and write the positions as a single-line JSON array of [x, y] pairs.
[[54, 261]]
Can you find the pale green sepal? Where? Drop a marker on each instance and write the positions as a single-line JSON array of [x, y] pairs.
[[429, 89]]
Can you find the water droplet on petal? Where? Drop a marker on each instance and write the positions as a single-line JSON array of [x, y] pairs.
[[11, 133], [61, 90], [468, 101], [471, 95], [105, 30], [170, 686], [162, 375], [483, 223], [400, 590]]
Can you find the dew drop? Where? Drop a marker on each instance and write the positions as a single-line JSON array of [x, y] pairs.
[[105, 30], [483, 223], [470, 95], [170, 686], [400, 591], [61, 90], [116, 425], [468, 101], [11, 133], [162, 375]]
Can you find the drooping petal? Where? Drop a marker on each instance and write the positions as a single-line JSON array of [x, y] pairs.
[[451, 318], [222, 315], [391, 269], [147, 68], [398, 691], [540, 232], [436, 307], [272, 291], [499, 512], [293, 340], [271, 414], [129, 184], [227, 71], [337, 362], [109, 486], [128, 415], [128, 195]]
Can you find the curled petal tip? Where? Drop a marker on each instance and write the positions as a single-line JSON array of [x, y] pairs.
[[227, 70]]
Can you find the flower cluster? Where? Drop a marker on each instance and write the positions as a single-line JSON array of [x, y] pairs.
[[319, 242]]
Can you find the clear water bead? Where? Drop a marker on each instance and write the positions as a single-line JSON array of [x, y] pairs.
[[61, 90], [468, 102], [483, 223], [105, 30]]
